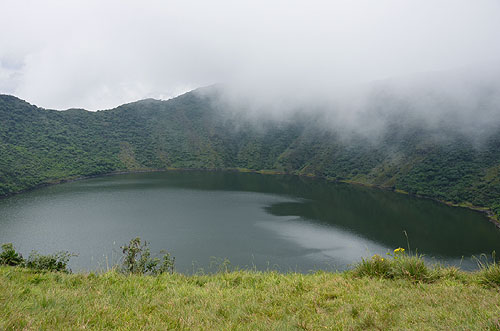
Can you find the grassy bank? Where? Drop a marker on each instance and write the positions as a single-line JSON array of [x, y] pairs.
[[243, 299]]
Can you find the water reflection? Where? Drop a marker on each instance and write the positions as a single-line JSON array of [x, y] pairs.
[[284, 222], [325, 244]]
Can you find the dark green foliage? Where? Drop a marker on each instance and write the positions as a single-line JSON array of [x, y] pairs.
[[137, 259], [39, 146], [9, 256], [52, 262]]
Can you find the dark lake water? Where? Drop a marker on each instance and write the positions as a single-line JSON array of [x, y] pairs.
[[286, 223]]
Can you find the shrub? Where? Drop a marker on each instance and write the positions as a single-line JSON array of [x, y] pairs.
[[490, 275], [399, 265], [489, 272], [377, 266], [410, 267], [138, 260], [52, 262], [9, 256]]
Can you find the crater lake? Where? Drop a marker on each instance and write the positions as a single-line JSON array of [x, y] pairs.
[[277, 222]]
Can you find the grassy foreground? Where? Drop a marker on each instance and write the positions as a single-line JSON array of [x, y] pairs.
[[35, 300]]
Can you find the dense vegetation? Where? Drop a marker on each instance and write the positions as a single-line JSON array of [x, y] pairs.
[[52, 262], [39, 146]]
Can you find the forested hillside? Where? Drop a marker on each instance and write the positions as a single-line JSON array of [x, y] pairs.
[[40, 146]]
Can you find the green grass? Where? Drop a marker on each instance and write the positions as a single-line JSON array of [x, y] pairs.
[[245, 300], [399, 265]]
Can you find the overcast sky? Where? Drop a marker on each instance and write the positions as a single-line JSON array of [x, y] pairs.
[[99, 54]]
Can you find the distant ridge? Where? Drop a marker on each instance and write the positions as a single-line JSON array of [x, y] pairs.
[[40, 146]]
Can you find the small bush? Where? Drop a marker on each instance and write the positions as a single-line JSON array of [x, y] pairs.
[[138, 260], [377, 266], [489, 275], [410, 267], [9, 256], [399, 265], [489, 272], [52, 262]]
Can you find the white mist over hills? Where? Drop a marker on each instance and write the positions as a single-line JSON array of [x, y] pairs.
[[96, 55], [464, 101]]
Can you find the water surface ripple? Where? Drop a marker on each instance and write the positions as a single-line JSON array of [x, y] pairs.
[[286, 223]]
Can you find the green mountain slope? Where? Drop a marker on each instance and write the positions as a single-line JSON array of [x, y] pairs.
[[40, 146]]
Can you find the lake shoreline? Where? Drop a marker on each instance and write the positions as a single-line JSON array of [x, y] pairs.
[[492, 218]]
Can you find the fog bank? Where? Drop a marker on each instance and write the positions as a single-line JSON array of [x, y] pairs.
[[275, 55]]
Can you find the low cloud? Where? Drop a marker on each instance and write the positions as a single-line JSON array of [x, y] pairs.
[[272, 58], [456, 103]]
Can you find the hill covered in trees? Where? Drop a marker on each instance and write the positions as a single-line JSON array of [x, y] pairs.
[[39, 146]]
